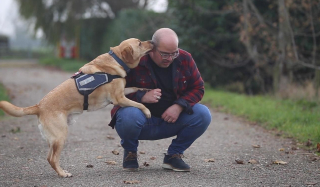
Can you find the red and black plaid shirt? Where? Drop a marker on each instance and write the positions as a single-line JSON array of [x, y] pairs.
[[188, 85]]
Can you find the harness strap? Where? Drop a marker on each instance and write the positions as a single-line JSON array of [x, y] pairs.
[[85, 102], [87, 92], [126, 68]]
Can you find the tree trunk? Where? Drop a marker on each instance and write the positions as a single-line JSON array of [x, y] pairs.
[[286, 51]]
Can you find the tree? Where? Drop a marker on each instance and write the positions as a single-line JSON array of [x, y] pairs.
[[259, 43], [59, 17], [290, 41]]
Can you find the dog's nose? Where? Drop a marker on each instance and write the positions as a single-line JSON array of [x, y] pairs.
[[151, 41]]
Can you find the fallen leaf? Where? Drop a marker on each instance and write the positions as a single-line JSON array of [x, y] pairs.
[[146, 164], [256, 146], [308, 143], [238, 161], [252, 161], [152, 158], [294, 148], [318, 147], [142, 152], [111, 162], [89, 166], [115, 152], [281, 149], [15, 130], [110, 137], [209, 160], [313, 158], [131, 182], [311, 183], [280, 162], [99, 157]]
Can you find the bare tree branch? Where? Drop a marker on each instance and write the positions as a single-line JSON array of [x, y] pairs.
[[256, 11], [308, 65], [286, 16]]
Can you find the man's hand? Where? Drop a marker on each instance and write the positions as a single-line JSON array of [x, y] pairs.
[[172, 113], [152, 96]]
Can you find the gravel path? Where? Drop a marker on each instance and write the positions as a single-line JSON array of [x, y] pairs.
[[90, 144]]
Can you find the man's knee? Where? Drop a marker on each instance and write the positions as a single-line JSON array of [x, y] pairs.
[[203, 114], [130, 116]]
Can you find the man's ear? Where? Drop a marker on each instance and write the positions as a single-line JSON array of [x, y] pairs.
[[127, 54]]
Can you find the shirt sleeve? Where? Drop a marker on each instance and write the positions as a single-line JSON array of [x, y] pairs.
[[195, 89]]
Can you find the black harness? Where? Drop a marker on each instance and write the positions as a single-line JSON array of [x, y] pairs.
[[87, 83]]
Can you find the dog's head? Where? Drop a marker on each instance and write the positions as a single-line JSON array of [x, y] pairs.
[[131, 50]]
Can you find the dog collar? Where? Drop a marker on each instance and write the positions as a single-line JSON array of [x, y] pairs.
[[126, 68]]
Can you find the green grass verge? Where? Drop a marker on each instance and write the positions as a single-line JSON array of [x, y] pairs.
[[3, 96], [70, 65], [297, 119]]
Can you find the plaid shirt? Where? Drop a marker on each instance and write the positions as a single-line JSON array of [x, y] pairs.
[[188, 85]]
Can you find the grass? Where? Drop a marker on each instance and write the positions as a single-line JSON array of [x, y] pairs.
[[3, 96], [70, 65], [297, 119]]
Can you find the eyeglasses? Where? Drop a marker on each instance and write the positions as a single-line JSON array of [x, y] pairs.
[[167, 55]]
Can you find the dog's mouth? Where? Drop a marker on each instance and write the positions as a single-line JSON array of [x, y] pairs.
[[148, 52]]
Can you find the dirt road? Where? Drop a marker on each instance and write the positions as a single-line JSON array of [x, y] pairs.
[[90, 144]]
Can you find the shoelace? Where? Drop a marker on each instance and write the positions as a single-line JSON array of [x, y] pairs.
[[131, 156], [180, 156]]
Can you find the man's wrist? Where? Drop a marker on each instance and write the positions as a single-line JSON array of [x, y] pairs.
[[179, 107]]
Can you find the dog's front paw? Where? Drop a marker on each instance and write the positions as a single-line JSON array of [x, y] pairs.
[[66, 174], [147, 113]]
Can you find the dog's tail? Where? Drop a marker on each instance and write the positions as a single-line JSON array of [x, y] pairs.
[[18, 111]]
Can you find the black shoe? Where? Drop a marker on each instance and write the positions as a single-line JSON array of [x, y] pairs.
[[175, 163], [130, 161]]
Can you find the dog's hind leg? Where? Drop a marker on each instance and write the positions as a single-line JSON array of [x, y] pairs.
[[56, 130]]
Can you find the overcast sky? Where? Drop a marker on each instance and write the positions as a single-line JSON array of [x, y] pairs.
[[9, 14]]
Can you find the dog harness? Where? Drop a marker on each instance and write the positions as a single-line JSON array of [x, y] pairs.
[[87, 83]]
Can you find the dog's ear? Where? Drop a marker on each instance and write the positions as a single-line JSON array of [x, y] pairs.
[[127, 54]]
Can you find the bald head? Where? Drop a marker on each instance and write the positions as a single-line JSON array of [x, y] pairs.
[[165, 43], [165, 36]]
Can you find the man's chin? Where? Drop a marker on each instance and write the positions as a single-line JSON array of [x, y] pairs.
[[165, 64]]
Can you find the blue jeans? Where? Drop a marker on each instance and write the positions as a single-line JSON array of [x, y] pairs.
[[132, 126]]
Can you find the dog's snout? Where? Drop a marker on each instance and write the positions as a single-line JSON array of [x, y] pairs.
[[152, 43]]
